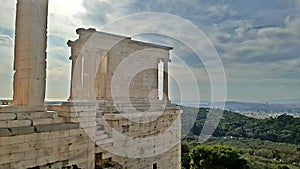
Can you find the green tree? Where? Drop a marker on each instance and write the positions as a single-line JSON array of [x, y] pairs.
[[216, 157], [282, 167], [185, 158]]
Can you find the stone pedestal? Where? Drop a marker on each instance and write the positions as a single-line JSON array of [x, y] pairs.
[[30, 53]]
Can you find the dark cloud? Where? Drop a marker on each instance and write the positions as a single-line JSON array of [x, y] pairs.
[[181, 50]]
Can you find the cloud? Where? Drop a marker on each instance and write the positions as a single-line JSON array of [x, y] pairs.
[[58, 72], [257, 40], [64, 18], [58, 68], [7, 22], [260, 46], [100, 12], [6, 40], [252, 51], [6, 71], [7, 14]]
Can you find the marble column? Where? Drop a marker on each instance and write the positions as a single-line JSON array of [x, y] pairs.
[[30, 53], [166, 80], [73, 59], [157, 77]]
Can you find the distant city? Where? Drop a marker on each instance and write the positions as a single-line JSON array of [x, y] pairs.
[[256, 110]]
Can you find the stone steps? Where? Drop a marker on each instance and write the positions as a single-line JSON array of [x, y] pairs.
[[100, 132], [101, 137], [99, 128], [104, 141], [104, 147]]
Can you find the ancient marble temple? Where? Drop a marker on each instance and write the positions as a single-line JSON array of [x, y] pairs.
[[101, 54]]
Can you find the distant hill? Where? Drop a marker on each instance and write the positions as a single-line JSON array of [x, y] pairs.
[[284, 128], [256, 107], [286, 101]]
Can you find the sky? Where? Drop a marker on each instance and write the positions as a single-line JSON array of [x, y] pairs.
[[257, 42]]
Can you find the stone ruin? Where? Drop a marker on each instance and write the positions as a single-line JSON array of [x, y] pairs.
[[95, 128]]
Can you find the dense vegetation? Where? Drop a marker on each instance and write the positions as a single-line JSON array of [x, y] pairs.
[[242, 142], [216, 157], [284, 128], [258, 154]]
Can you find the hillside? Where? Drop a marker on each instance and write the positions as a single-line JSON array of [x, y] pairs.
[[258, 153], [284, 128]]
